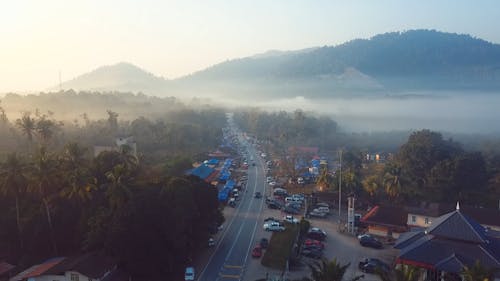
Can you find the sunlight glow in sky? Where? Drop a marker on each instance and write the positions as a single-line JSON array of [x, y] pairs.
[[174, 38]]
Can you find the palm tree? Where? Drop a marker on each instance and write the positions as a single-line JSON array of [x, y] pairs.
[[80, 182], [13, 181], [371, 184], [329, 271], [28, 126], [45, 175], [478, 272], [392, 182], [45, 128], [118, 188]]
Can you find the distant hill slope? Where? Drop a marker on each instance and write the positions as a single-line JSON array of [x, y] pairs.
[[411, 60], [122, 76]]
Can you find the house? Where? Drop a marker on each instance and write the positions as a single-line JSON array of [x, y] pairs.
[[386, 221], [86, 267], [423, 215], [119, 142], [453, 241]]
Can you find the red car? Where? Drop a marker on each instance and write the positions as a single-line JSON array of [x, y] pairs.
[[257, 251], [312, 242]]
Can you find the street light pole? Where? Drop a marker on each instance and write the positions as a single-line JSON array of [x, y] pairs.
[[340, 185]]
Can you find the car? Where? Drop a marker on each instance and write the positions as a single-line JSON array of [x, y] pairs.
[[372, 265], [269, 219], [363, 235], [370, 241], [290, 199], [264, 242], [211, 242], [189, 273], [317, 229], [273, 183], [274, 226], [290, 219], [274, 205], [312, 247], [312, 242], [258, 195], [321, 204], [232, 202], [291, 210], [315, 254], [257, 251], [322, 210], [295, 205], [317, 214], [298, 197]]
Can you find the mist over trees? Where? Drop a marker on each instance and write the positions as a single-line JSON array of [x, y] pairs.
[[59, 199]]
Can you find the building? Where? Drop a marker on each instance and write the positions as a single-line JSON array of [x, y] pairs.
[[422, 216], [386, 221], [453, 241], [87, 267]]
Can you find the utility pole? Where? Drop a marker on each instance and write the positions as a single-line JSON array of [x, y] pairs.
[[340, 185]]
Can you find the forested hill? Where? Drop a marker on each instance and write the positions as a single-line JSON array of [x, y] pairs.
[[411, 59], [124, 77]]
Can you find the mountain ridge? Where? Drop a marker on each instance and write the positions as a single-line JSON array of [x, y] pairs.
[[409, 60]]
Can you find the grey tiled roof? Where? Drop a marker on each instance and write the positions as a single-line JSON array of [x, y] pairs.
[[457, 226]]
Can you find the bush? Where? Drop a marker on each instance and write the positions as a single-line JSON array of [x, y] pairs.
[[280, 247]]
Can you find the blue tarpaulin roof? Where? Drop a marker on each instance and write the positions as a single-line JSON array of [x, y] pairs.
[[213, 161], [202, 171]]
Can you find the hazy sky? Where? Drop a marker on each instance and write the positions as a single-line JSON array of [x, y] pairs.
[[173, 38]]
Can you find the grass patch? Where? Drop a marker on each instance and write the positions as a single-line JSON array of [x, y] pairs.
[[280, 247]]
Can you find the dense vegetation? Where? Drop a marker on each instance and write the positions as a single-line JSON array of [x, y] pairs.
[[423, 167], [58, 199]]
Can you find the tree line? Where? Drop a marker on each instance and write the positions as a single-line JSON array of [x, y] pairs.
[[58, 199]]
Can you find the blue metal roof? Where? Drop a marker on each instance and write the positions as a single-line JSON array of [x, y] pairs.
[[202, 171]]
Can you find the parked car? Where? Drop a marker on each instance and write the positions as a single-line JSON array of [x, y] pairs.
[[189, 273], [269, 219], [295, 205], [290, 219], [322, 210], [264, 243], [316, 234], [232, 202], [274, 205], [257, 251], [273, 226], [291, 210], [315, 254], [372, 265], [312, 247], [280, 192], [321, 204], [258, 195], [370, 241], [317, 214], [312, 242]]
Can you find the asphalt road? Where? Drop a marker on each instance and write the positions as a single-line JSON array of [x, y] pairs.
[[233, 250]]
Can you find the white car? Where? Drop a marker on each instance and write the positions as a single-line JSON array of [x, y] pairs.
[[290, 219], [211, 242], [273, 226], [273, 183], [189, 274], [322, 210]]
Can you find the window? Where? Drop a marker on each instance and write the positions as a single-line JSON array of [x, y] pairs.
[[427, 221], [74, 277], [413, 219]]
